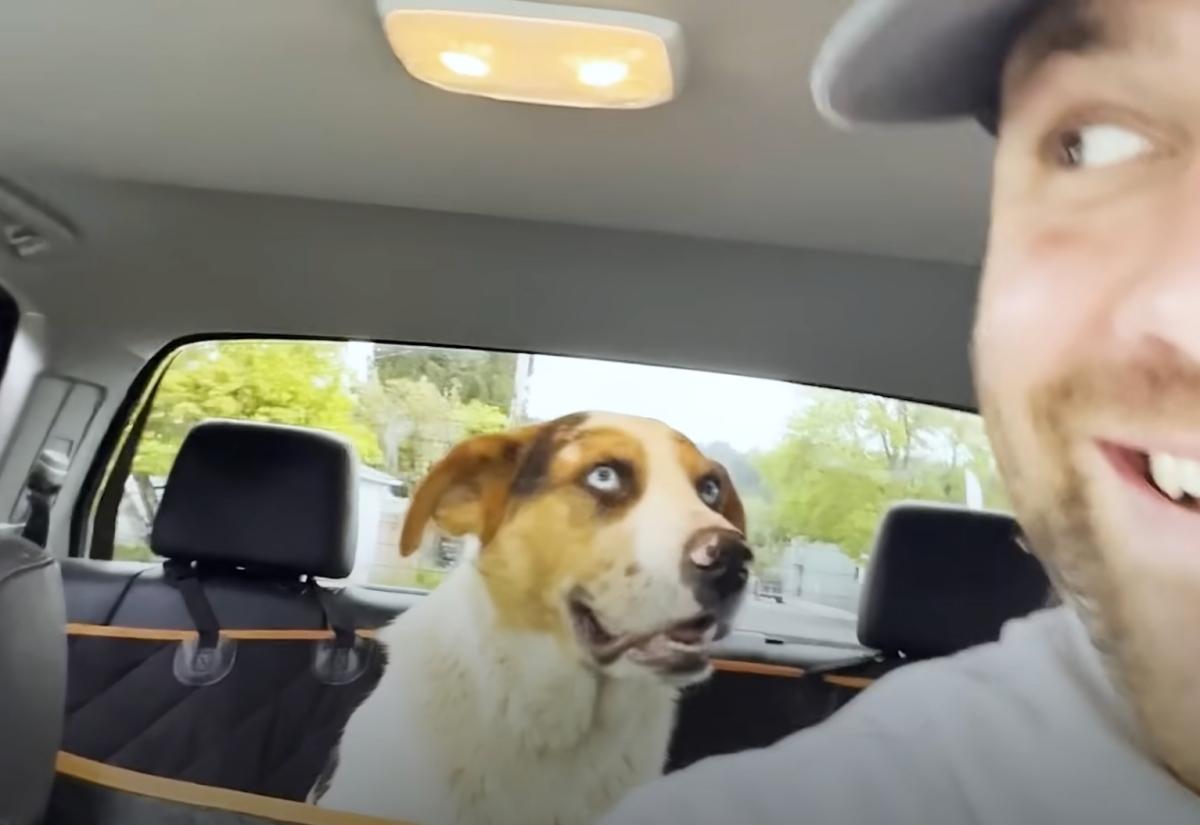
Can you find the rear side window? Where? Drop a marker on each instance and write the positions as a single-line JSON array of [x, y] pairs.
[[815, 467]]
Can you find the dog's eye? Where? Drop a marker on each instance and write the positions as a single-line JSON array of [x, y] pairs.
[[709, 490], [604, 479]]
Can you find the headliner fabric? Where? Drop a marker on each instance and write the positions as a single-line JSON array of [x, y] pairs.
[[261, 495]]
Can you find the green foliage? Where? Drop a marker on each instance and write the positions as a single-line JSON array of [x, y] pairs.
[[468, 375], [478, 418], [847, 458], [398, 420], [134, 552], [417, 422], [303, 383], [419, 578]]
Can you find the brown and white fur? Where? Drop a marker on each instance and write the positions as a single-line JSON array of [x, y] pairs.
[[537, 685]]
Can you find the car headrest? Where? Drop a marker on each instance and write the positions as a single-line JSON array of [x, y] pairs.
[[261, 495], [942, 579]]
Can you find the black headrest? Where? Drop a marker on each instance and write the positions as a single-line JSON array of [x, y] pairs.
[[943, 578], [261, 495]]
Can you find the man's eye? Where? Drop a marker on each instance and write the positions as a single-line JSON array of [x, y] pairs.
[[1098, 146]]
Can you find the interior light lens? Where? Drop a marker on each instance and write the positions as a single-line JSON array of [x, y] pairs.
[[537, 52], [602, 73]]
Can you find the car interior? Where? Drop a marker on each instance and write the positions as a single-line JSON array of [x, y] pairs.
[[180, 175]]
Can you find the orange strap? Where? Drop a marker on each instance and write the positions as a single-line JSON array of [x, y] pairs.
[[207, 796], [155, 634], [757, 668], [854, 682]]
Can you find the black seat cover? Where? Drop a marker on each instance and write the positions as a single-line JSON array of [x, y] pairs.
[[943, 578], [33, 672], [250, 515]]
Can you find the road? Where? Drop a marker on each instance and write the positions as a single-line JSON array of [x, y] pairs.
[[799, 619]]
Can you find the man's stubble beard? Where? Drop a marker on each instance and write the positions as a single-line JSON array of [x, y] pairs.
[[1058, 512]]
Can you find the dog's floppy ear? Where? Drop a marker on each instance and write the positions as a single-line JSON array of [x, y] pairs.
[[467, 491], [731, 503]]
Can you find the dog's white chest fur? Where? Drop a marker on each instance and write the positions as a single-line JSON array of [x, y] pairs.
[[473, 725]]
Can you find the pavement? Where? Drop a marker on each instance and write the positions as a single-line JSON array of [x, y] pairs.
[[799, 619]]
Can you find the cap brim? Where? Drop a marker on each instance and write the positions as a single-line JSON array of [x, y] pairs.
[[893, 61]]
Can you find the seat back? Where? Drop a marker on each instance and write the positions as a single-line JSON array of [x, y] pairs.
[[33, 672], [228, 665], [944, 578], [941, 579]]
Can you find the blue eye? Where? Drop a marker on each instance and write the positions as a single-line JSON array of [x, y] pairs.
[[709, 490], [604, 479]]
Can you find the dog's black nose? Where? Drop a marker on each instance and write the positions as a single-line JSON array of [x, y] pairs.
[[716, 562]]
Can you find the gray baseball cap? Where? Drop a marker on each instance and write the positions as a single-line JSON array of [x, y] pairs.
[[890, 61]]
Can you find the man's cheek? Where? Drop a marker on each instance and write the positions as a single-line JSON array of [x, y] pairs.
[[1033, 313]]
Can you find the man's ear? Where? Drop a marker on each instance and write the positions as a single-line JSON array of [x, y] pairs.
[[731, 503], [467, 491]]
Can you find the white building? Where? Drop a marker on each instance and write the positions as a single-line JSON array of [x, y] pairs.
[[821, 573]]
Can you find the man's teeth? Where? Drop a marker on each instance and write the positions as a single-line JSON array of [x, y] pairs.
[[1175, 477]]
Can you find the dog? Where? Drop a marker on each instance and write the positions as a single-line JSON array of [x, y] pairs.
[[538, 684]]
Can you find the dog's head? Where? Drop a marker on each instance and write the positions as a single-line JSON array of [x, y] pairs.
[[613, 533]]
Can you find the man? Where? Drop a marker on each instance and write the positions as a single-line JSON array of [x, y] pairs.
[[1087, 360]]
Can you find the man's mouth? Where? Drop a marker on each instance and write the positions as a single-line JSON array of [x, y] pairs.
[[677, 648], [1172, 477]]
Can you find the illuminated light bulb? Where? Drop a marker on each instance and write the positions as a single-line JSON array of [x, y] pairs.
[[467, 65], [602, 73]]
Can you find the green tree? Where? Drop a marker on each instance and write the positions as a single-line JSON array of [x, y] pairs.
[[479, 418], [304, 384], [470, 375], [416, 422], [846, 458]]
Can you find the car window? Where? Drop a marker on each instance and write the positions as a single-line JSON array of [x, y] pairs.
[[816, 467]]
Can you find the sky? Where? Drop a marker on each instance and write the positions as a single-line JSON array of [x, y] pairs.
[[748, 413]]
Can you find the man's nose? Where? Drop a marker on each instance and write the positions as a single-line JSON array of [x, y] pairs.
[[716, 562], [1161, 306]]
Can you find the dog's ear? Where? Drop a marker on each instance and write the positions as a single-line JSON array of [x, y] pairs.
[[467, 491], [731, 503]]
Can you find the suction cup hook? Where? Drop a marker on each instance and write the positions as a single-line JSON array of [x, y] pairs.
[[198, 665]]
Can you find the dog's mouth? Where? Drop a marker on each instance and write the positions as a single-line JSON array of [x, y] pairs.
[[679, 648]]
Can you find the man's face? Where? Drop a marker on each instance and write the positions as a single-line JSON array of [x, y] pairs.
[[1087, 343]]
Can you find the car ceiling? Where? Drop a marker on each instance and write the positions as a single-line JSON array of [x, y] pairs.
[[267, 165]]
